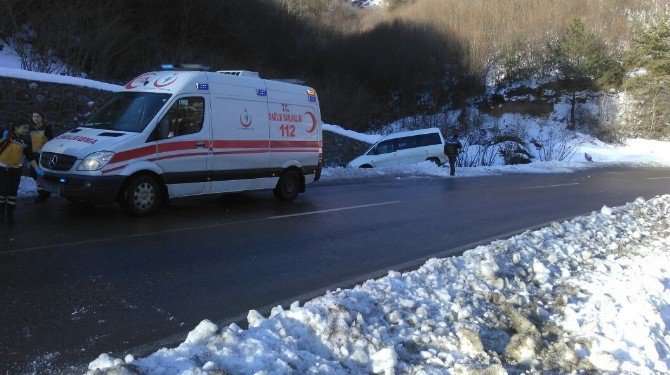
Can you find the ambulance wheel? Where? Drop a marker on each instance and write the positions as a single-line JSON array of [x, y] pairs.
[[141, 196], [288, 186]]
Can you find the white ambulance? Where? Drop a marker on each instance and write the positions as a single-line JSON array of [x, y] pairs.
[[172, 134]]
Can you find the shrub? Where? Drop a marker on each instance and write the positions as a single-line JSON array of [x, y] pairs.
[[649, 63]]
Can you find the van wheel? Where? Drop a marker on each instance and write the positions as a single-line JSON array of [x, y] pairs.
[[288, 186], [366, 166], [435, 160], [141, 196]]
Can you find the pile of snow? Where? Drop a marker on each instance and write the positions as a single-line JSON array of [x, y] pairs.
[[587, 295]]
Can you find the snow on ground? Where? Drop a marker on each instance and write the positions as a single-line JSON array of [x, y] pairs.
[[587, 295], [430, 169]]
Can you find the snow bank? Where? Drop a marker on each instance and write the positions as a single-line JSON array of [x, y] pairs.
[[586, 295], [54, 78], [430, 169], [633, 150], [367, 138]]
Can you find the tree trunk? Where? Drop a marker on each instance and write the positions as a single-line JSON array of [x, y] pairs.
[[572, 125]]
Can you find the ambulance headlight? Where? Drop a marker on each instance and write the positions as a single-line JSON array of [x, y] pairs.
[[95, 161]]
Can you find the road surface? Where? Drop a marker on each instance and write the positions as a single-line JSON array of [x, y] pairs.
[[76, 282]]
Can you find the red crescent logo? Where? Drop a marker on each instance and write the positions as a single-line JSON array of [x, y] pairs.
[[246, 119], [315, 122], [166, 81], [139, 79]]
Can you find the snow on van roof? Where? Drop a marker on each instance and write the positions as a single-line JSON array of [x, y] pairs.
[[412, 132]]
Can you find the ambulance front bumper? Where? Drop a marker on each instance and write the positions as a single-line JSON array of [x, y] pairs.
[[92, 189]]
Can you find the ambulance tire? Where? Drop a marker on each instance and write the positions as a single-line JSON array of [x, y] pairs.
[[288, 186], [141, 196]]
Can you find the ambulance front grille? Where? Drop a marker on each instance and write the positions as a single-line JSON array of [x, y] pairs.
[[57, 162]]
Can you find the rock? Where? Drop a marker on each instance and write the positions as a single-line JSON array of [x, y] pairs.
[[520, 323], [523, 348], [559, 356], [469, 341]]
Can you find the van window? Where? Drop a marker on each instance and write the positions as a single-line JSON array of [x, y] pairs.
[[128, 111], [406, 142], [384, 147], [186, 116], [429, 139]]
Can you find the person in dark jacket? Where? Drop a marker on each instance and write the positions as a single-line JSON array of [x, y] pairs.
[[451, 149], [40, 134], [13, 150]]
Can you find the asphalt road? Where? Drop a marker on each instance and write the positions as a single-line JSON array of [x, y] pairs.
[[76, 282]]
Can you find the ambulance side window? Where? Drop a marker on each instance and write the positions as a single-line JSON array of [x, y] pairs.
[[186, 116]]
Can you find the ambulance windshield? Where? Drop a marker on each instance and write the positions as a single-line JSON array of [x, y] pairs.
[[128, 111]]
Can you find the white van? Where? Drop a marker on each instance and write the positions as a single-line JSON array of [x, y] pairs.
[[171, 134], [404, 148]]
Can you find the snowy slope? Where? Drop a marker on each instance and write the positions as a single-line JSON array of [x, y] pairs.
[[587, 295], [8, 57], [10, 66], [67, 80], [367, 138]]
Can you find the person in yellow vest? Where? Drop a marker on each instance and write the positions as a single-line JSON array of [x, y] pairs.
[[40, 134], [13, 151]]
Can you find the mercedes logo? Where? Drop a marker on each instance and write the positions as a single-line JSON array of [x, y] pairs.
[[53, 162]]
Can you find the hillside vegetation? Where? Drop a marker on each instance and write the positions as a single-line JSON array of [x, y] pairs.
[[370, 65]]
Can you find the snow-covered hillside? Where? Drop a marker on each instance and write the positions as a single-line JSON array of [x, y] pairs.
[[10, 66], [586, 295]]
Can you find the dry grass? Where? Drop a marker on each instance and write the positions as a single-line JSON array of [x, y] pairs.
[[494, 27]]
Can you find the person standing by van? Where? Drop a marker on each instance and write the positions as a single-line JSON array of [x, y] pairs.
[[13, 150], [40, 134], [452, 148]]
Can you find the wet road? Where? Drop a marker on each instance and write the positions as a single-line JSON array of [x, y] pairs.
[[75, 282]]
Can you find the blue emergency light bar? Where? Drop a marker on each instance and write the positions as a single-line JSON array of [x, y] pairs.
[[202, 86], [261, 92], [194, 67]]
